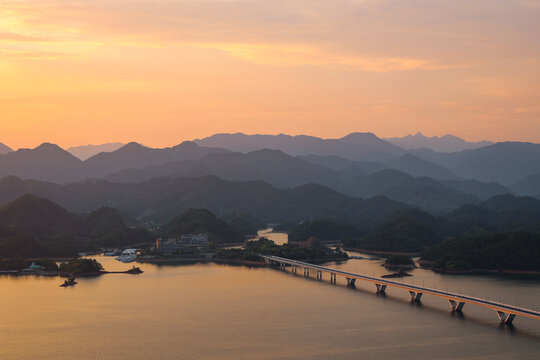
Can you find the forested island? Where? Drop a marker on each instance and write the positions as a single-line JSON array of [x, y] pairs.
[[472, 237], [510, 252], [264, 246]]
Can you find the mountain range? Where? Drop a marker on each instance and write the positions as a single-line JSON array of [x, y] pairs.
[[444, 144], [285, 171], [160, 199], [49, 162], [503, 162], [355, 146], [359, 165], [529, 185]]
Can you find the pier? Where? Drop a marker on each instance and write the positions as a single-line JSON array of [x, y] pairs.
[[506, 313]]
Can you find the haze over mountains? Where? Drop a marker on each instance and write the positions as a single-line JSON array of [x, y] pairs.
[[355, 146], [87, 151], [358, 165], [446, 143]]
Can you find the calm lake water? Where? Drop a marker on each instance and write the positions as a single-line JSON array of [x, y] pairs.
[[209, 311]]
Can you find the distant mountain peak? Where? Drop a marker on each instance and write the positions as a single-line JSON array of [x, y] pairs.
[[48, 152], [48, 146], [186, 144], [131, 146], [360, 136]]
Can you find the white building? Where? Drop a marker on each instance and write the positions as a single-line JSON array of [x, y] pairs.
[[194, 239]]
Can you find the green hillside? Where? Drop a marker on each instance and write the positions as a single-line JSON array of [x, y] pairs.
[[202, 221], [503, 251], [37, 227]]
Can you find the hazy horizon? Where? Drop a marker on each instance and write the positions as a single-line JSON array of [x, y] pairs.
[[68, 145]]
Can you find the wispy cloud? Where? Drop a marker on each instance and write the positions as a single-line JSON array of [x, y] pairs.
[[297, 55], [381, 65], [19, 38]]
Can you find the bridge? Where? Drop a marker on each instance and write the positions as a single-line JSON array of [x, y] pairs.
[[505, 312]]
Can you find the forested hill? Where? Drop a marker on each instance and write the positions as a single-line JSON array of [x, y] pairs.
[[37, 227], [202, 221], [517, 251], [160, 200]]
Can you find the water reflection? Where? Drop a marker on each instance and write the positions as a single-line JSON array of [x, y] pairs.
[[210, 311]]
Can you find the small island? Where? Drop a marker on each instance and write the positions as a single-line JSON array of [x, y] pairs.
[[399, 262], [80, 268], [69, 282], [310, 251]]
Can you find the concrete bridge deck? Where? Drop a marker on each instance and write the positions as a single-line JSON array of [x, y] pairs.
[[506, 312]]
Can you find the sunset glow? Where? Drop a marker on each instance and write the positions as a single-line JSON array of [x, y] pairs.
[[160, 72]]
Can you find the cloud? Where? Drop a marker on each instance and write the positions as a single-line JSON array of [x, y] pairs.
[[18, 38], [32, 55], [299, 54]]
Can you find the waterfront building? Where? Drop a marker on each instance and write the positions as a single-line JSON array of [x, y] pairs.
[[186, 241], [194, 239]]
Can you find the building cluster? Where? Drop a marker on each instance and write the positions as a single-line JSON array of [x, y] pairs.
[[185, 242]]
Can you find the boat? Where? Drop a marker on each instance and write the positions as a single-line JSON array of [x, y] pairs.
[[69, 282]]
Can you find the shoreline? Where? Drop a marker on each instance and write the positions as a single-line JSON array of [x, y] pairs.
[[380, 252], [427, 265], [65, 274]]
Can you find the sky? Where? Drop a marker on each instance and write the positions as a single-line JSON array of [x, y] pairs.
[[163, 71]]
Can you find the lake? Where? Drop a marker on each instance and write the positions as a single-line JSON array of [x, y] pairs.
[[209, 311]]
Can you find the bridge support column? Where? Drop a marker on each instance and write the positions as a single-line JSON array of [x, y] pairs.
[[351, 282], [415, 296], [332, 278], [456, 306], [506, 318], [381, 289], [306, 272], [319, 275]]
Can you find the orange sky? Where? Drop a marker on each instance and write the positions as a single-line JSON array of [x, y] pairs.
[[163, 71]]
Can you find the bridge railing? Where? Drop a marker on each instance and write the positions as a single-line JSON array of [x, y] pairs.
[[505, 312]]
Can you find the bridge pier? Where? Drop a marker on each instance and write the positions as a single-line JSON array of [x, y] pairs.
[[319, 275], [456, 306], [332, 278], [415, 296], [306, 272], [351, 282], [506, 318], [381, 289]]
